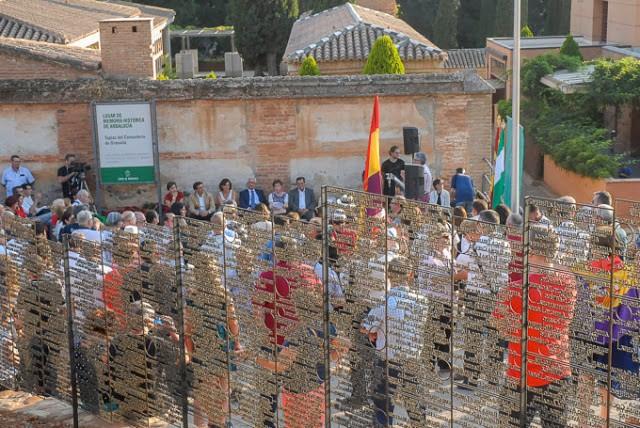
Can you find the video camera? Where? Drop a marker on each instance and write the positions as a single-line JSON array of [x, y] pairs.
[[80, 167]]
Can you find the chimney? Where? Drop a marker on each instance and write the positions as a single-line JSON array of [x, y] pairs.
[[130, 47], [386, 6]]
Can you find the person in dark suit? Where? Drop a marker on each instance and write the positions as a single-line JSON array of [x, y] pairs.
[[251, 197], [302, 200]]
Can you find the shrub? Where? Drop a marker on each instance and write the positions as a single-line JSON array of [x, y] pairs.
[[504, 109], [526, 32], [570, 48], [309, 67], [211, 75], [384, 58], [162, 76]]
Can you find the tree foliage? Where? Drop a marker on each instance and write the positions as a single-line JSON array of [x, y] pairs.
[[445, 29], [262, 30], [197, 13], [320, 5], [570, 48], [384, 58], [309, 67], [420, 14], [526, 32], [570, 127]]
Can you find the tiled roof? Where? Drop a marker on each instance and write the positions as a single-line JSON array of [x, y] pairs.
[[465, 58], [348, 32], [83, 58], [61, 21]]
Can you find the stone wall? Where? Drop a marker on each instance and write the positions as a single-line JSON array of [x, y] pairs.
[[268, 127]]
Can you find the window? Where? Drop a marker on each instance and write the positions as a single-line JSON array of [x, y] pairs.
[[134, 29], [114, 30]]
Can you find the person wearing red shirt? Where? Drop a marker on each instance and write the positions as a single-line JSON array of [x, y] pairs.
[[274, 300], [551, 305], [173, 195]]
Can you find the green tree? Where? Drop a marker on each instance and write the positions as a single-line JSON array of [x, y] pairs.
[[198, 13], [320, 5], [384, 58], [557, 18], [309, 67], [420, 14], [526, 32], [504, 17], [570, 48], [445, 28], [262, 30], [470, 33], [537, 15]]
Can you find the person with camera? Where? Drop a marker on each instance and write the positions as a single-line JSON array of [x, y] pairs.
[[71, 176]]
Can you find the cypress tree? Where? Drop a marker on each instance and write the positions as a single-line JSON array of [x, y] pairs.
[[470, 32], [570, 48], [537, 15], [445, 28], [262, 30], [320, 5], [504, 17], [420, 14], [558, 17], [309, 67], [384, 58]]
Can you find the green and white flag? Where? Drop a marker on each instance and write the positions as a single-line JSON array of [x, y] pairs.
[[499, 176]]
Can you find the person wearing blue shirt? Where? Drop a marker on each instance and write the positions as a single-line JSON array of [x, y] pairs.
[[463, 189], [16, 176]]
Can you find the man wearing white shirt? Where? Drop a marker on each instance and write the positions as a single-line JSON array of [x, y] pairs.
[[439, 196], [16, 176], [302, 200], [251, 197], [421, 159]]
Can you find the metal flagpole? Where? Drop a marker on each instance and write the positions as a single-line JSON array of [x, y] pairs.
[[515, 110]]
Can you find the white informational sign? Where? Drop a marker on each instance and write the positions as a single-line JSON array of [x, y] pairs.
[[125, 143]]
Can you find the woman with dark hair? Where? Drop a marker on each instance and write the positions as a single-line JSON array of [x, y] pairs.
[[173, 195], [179, 209], [504, 212], [278, 199], [151, 217], [15, 206], [226, 195]]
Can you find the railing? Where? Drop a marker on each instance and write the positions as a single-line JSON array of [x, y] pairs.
[[359, 320]]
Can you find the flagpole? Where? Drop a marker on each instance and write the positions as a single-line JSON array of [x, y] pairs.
[[515, 109]]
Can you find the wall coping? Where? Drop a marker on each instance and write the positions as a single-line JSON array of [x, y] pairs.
[[44, 91]]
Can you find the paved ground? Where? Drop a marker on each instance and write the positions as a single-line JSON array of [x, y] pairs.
[[23, 410]]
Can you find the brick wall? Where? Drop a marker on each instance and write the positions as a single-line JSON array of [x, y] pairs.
[[126, 47], [19, 67], [270, 128]]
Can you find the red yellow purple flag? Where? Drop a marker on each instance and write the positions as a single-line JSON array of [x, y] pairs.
[[372, 171]]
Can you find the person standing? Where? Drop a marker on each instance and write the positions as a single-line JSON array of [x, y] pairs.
[[251, 197], [463, 190], [65, 176], [16, 176], [302, 200], [394, 165], [421, 159]]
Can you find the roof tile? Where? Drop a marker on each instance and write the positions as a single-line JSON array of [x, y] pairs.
[[348, 32]]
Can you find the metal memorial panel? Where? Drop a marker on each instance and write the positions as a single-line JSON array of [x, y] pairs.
[[486, 294], [355, 228], [419, 313], [92, 327], [569, 250], [209, 328], [625, 310], [255, 345], [299, 318], [163, 324], [9, 287]]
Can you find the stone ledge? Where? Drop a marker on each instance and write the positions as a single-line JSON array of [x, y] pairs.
[[87, 90]]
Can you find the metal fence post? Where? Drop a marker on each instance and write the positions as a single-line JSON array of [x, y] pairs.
[[70, 338]]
